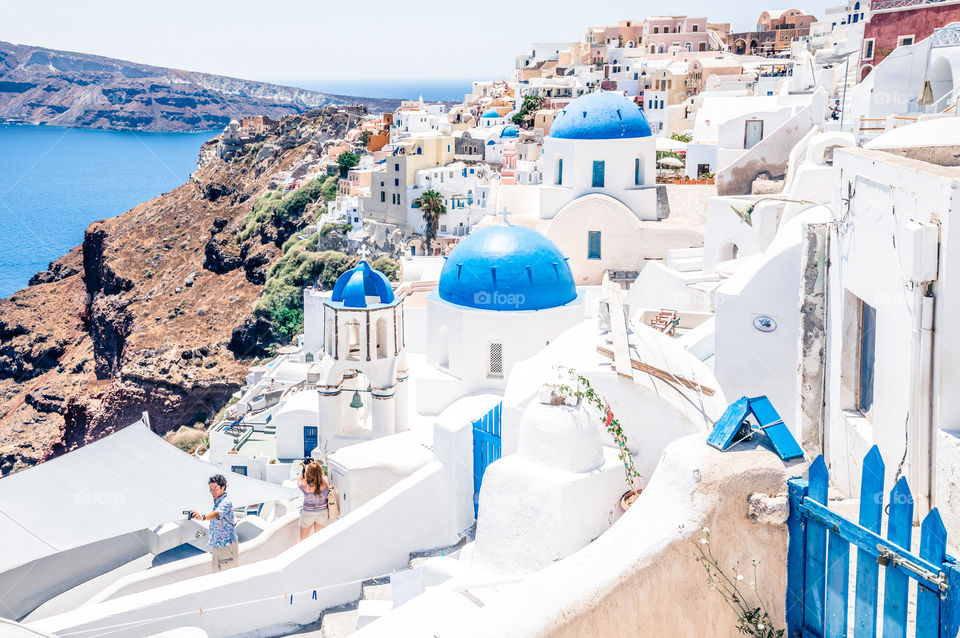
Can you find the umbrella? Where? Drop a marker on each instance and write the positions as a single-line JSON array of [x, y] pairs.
[[926, 95], [670, 161], [668, 144], [288, 350]]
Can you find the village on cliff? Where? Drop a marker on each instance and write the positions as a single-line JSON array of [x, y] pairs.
[[667, 353]]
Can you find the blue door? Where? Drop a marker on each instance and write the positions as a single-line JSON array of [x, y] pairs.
[[309, 440], [486, 448]]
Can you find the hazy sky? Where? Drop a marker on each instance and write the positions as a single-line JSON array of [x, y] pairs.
[[363, 39]]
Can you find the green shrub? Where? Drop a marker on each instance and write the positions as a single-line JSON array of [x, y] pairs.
[[329, 188], [388, 267], [344, 227]]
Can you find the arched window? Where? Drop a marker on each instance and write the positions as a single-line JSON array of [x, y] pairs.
[[352, 328], [688, 46], [382, 339]]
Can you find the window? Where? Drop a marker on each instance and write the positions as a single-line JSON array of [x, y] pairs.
[[904, 40], [383, 196], [559, 170], [868, 340], [396, 182], [695, 27], [637, 172], [868, 49], [495, 364], [598, 168], [396, 167], [593, 244], [239, 469]]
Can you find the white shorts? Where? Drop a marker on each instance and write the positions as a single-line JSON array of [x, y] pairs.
[[318, 517]]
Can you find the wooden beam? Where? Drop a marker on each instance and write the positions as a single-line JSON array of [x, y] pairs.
[[661, 373]]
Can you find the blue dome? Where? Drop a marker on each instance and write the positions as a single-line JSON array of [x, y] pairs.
[[491, 113], [354, 286], [510, 131], [600, 116], [507, 268]]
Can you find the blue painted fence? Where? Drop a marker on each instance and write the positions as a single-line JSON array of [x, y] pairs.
[[486, 448], [818, 562]]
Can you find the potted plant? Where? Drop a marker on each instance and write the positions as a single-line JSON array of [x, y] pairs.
[[584, 391]]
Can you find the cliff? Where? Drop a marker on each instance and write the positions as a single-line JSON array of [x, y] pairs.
[[154, 311], [60, 88]]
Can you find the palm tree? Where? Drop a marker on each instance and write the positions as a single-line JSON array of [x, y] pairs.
[[431, 206]]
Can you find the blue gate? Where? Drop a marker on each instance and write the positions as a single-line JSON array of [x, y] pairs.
[[486, 448], [818, 562], [309, 440]]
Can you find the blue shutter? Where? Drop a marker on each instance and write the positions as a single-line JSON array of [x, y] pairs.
[[868, 339], [593, 244], [560, 171], [598, 167]]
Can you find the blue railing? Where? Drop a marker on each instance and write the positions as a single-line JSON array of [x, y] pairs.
[[818, 562]]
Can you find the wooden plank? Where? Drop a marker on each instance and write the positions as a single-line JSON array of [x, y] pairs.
[[950, 604], [814, 587], [838, 586], [899, 532], [618, 326], [775, 429], [796, 544], [933, 548], [729, 424], [661, 373], [868, 571]]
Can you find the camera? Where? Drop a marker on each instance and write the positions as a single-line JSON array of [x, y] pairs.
[[187, 514]]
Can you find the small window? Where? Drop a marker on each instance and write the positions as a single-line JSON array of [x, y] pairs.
[[396, 167], [383, 196], [904, 40], [695, 27], [593, 244], [560, 170], [637, 172], [239, 469], [495, 367], [396, 182], [598, 170], [868, 49]]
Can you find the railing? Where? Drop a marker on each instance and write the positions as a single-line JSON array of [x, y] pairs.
[[882, 5], [946, 37], [237, 429], [818, 562]]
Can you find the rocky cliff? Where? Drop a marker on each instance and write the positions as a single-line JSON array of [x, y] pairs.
[[44, 86], [154, 310]]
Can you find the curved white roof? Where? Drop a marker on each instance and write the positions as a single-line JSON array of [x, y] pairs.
[[125, 482], [943, 131]]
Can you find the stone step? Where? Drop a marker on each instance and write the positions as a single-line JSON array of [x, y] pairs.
[[378, 592], [370, 610], [339, 624]]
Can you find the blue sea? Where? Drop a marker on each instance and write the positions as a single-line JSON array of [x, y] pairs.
[[54, 182], [435, 90]]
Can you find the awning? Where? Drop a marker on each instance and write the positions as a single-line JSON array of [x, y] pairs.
[[125, 482]]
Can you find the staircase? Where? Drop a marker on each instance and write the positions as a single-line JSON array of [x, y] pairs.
[[376, 599]]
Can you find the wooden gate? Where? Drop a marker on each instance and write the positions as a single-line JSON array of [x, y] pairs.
[[486, 448], [818, 562]]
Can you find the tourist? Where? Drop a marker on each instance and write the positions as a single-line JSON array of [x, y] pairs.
[[223, 531], [835, 110], [315, 487]]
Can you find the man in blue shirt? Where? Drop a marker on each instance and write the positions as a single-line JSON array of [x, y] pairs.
[[223, 531]]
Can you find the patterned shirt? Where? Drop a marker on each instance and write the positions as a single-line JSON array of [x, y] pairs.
[[313, 502], [223, 531]]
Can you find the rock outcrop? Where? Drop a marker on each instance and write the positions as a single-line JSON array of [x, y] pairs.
[[154, 311], [44, 86]]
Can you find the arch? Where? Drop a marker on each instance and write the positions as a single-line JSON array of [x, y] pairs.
[[352, 334], [383, 341], [740, 46], [865, 71], [753, 46], [941, 79], [653, 48], [688, 46]]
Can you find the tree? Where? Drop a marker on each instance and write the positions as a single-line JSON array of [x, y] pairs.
[[530, 105], [346, 161], [364, 138], [431, 207]]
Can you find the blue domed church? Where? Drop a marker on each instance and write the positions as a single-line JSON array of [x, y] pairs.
[[599, 184], [504, 293]]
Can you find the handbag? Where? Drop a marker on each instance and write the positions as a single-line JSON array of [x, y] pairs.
[[333, 505]]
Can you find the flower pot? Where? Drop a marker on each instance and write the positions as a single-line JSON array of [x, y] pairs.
[[628, 498]]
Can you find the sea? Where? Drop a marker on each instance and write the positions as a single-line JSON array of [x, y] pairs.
[[54, 182], [432, 90]]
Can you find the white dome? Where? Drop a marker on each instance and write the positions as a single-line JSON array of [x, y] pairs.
[[561, 437]]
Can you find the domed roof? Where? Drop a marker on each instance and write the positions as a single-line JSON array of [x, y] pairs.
[[507, 268], [491, 113], [600, 116], [510, 131], [354, 286]]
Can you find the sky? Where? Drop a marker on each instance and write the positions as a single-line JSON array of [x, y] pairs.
[[304, 42]]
